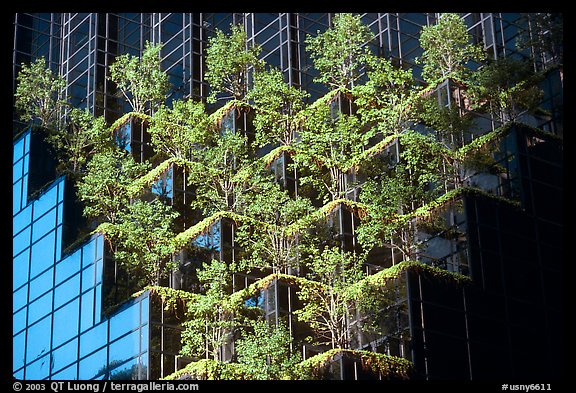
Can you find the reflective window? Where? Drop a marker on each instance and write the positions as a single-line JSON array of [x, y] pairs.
[[93, 339], [44, 225], [125, 321], [67, 267], [128, 371], [40, 307], [87, 311], [19, 147], [65, 355], [46, 202], [89, 253], [41, 284], [125, 348], [38, 339], [16, 196], [21, 241], [123, 136], [66, 316], [88, 277], [20, 298], [67, 291], [18, 346], [43, 254], [19, 321], [20, 265], [39, 369], [67, 374], [22, 219], [93, 365]]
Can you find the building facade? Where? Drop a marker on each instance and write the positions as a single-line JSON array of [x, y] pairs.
[[506, 324]]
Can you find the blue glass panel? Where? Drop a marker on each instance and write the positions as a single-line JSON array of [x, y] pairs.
[[40, 307], [20, 298], [66, 322], [19, 374], [93, 365], [87, 311], [125, 348], [126, 320], [20, 266], [26, 170], [16, 196], [89, 253], [21, 241], [60, 217], [19, 321], [61, 187], [69, 373], [127, 371], [41, 284], [18, 149], [67, 267], [22, 219], [99, 264], [123, 136], [98, 303], [17, 170], [24, 195], [46, 202], [94, 339], [145, 306], [44, 225], [88, 278], [18, 346], [39, 369], [99, 247], [144, 338], [67, 291], [58, 242], [38, 339], [42, 254]]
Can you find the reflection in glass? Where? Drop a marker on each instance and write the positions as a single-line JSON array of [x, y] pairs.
[[39, 308], [67, 374], [93, 365], [41, 284], [42, 254], [67, 291], [46, 202], [125, 321], [38, 342], [87, 311], [19, 321], [66, 317], [21, 241], [125, 348], [44, 225], [93, 339], [65, 355], [20, 269], [18, 346], [67, 267], [39, 369]]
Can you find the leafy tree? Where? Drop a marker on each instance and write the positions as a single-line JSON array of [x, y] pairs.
[[277, 105], [210, 318], [265, 352], [142, 235], [140, 79], [104, 188], [39, 94], [272, 241], [178, 130], [339, 53], [228, 61], [447, 49], [326, 305]]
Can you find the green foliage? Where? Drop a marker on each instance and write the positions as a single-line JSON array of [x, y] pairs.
[[104, 188], [38, 94], [277, 105], [339, 53], [228, 61], [143, 236], [140, 79], [265, 352], [178, 130], [447, 48]]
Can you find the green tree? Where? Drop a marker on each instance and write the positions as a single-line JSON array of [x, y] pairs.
[[447, 49], [265, 352], [276, 104], [340, 54], [178, 130], [38, 94], [142, 236], [210, 320], [326, 306], [272, 241], [104, 188], [229, 59], [140, 79]]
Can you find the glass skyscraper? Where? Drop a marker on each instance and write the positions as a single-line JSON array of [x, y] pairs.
[[63, 325]]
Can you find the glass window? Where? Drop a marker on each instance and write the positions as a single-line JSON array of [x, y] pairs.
[[40, 307], [65, 355], [17, 170], [69, 373], [67, 291], [38, 339], [126, 320], [87, 311], [98, 304], [94, 339], [19, 321], [44, 225], [46, 202], [20, 266], [61, 188], [127, 371], [16, 196], [39, 369], [125, 348], [89, 253], [21, 241], [24, 196], [41, 284], [42, 254], [88, 277], [22, 219], [20, 298], [66, 322], [18, 346], [69, 266], [19, 148], [93, 365]]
